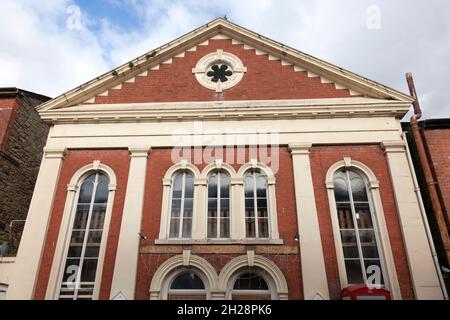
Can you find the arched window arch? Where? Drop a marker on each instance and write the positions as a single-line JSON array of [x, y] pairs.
[[187, 285], [256, 204], [181, 205], [82, 253], [358, 229], [251, 285], [219, 195]]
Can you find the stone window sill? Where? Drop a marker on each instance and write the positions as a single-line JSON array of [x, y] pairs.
[[221, 242]]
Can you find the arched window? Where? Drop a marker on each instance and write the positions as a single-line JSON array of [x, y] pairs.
[[182, 205], [250, 286], [256, 206], [358, 229], [218, 205], [3, 289], [187, 286], [82, 255]]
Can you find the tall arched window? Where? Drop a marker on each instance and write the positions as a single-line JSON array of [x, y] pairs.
[[187, 286], [250, 286], [182, 205], [218, 205], [358, 229], [256, 209], [82, 255]]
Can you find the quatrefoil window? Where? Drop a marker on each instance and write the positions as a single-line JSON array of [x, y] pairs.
[[219, 70], [219, 73]]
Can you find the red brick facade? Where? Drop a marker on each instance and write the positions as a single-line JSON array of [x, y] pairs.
[[264, 80]]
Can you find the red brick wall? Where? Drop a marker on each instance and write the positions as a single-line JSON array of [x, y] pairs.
[[438, 144], [321, 159], [159, 162], [264, 80], [119, 161], [7, 108]]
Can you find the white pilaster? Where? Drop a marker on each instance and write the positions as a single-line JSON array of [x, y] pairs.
[[423, 272], [199, 212], [26, 269], [314, 276], [125, 269]]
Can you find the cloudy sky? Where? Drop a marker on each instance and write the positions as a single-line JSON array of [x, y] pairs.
[[47, 47]]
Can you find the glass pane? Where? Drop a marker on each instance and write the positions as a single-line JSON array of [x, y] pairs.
[[76, 244], [224, 228], [224, 212], [373, 272], [263, 227], [187, 213], [212, 208], [174, 228], [249, 186], [188, 204], [212, 186], [250, 230], [340, 187], [176, 208], [224, 185], [349, 244], [212, 227], [261, 185], [88, 270], [70, 270], [189, 188], [363, 216], [358, 187], [81, 216], [177, 185], [86, 190], [101, 194], [249, 208], [354, 273], [187, 227], [187, 281], [250, 281], [368, 244], [345, 216], [98, 216], [225, 203], [93, 244]]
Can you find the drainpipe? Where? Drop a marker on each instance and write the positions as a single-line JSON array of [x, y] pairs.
[[431, 184], [425, 221]]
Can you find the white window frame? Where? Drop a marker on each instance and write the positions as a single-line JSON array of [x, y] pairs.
[[219, 199], [386, 256], [62, 245], [194, 292], [183, 198], [255, 205]]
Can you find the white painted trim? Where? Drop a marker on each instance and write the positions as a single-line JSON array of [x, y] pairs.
[[380, 227]]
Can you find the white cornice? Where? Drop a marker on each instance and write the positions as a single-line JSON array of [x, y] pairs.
[[227, 110], [201, 35]]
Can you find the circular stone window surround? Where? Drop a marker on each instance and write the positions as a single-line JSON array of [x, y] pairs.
[[219, 58]]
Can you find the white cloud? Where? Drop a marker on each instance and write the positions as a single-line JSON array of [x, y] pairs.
[[42, 55]]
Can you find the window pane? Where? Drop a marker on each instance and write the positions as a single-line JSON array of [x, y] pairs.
[[88, 270], [93, 244], [263, 227], [76, 244], [177, 185], [101, 195], [250, 230], [261, 185], [224, 185], [81, 216], [86, 190], [174, 228], [70, 270], [225, 203], [249, 208], [187, 227], [345, 216], [212, 186], [358, 187], [212, 208], [224, 212], [225, 228], [176, 208], [373, 272], [187, 281], [189, 188], [249, 186], [354, 273], [349, 244], [368, 244], [187, 213], [212, 227], [188, 206], [363, 216], [340, 188], [250, 281], [98, 216]]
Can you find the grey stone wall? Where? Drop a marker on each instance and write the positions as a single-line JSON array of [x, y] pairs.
[[19, 168]]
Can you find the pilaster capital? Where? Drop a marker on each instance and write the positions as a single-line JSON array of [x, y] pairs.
[[393, 146], [139, 151], [54, 152], [300, 148]]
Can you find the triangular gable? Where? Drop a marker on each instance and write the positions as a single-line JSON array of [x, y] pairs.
[[151, 77]]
